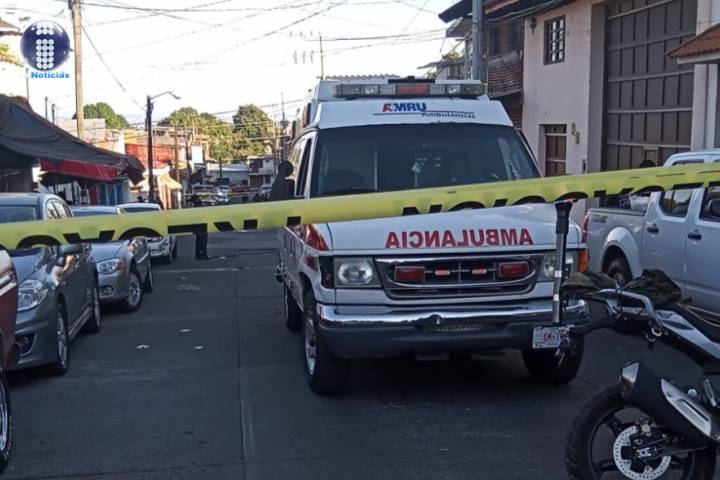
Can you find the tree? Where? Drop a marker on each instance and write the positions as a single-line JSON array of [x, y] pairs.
[[103, 110], [252, 128], [220, 133]]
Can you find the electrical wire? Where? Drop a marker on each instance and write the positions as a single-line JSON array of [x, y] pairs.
[[107, 67]]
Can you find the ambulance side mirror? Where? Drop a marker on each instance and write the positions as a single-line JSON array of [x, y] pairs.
[[713, 208]]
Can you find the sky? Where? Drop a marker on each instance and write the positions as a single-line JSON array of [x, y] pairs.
[[218, 54]]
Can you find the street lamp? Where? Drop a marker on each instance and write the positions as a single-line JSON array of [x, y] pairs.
[[148, 122]]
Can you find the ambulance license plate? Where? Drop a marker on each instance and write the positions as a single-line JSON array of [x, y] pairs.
[[546, 337]]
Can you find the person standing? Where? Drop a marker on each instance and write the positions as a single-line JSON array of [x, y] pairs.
[[201, 239]]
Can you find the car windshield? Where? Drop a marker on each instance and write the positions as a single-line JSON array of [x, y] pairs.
[[18, 213], [401, 157], [92, 213]]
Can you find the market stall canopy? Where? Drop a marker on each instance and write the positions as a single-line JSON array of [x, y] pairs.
[[27, 133]]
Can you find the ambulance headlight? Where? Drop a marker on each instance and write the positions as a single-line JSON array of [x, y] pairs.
[[355, 272], [547, 269]]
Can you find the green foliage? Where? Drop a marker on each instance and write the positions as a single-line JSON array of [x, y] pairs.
[[103, 110], [240, 139], [220, 133]]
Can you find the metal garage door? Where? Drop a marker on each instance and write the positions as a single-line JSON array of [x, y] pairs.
[[648, 99]]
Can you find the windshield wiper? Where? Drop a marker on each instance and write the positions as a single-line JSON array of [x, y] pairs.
[[349, 191]]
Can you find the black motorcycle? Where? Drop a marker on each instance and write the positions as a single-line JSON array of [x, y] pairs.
[[647, 427]]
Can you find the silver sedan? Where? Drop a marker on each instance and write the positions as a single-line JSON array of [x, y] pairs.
[[124, 268]]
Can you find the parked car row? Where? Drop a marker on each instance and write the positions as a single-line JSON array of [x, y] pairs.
[[48, 295]]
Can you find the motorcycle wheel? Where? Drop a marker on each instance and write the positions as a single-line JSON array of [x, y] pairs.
[[595, 448]]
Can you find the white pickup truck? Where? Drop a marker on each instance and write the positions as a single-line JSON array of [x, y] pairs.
[[428, 285], [677, 232]]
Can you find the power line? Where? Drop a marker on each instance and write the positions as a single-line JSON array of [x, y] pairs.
[[107, 67], [417, 14]]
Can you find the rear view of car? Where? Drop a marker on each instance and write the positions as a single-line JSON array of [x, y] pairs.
[[161, 248]]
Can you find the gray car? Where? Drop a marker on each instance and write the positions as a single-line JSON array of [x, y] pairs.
[[161, 248], [124, 268], [58, 287]]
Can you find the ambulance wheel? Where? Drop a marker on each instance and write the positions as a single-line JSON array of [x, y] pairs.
[[326, 373], [545, 367], [293, 314]]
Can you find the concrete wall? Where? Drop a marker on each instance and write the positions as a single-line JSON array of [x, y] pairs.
[[560, 93], [706, 116]]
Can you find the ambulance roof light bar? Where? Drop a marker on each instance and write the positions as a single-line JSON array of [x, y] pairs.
[[408, 88]]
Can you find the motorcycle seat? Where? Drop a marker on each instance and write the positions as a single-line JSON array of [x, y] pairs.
[[707, 328]]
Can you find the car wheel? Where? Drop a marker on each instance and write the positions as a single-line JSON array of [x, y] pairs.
[[168, 259], [326, 373], [293, 314], [174, 252], [6, 423], [62, 344], [545, 367], [619, 270], [134, 296], [149, 282], [94, 323]]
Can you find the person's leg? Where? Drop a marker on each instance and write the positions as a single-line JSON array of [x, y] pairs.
[[198, 245], [203, 245]]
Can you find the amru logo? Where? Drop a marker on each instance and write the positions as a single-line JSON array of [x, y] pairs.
[[405, 107]]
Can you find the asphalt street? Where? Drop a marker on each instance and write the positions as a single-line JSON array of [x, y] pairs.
[[204, 382]]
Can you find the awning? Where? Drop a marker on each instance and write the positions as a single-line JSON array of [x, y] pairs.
[[164, 179], [27, 133], [702, 48], [73, 168]]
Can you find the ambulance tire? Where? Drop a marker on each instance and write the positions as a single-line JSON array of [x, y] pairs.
[[327, 374], [544, 366], [293, 313]]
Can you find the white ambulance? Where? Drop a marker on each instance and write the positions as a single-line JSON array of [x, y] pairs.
[[467, 280]]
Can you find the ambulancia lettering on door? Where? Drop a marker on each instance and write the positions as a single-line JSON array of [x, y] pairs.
[[464, 238]]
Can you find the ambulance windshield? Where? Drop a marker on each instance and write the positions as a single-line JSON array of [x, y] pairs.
[[383, 158]]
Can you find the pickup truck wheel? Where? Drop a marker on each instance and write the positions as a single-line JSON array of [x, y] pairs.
[[326, 373], [293, 314], [619, 270], [545, 367]]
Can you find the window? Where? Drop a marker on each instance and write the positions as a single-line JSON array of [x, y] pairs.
[[401, 157], [555, 150], [676, 202], [712, 193], [555, 40], [302, 174], [505, 37]]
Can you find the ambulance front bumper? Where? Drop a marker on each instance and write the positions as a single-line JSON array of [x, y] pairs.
[[361, 334]]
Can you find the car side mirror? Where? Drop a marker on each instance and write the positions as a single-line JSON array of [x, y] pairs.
[[713, 208], [285, 169], [73, 249]]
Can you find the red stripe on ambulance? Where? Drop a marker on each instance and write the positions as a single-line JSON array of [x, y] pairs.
[[465, 238]]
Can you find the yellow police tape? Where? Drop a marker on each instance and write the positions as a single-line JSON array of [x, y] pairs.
[[355, 207]]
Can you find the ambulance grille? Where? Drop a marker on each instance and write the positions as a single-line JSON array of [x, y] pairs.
[[455, 276]]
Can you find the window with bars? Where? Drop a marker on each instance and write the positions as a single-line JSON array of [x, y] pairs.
[[555, 150], [555, 40]]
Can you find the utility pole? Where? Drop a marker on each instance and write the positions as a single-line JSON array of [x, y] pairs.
[[322, 60], [177, 156], [148, 122], [477, 19], [27, 84], [53, 114], [77, 38], [46, 108]]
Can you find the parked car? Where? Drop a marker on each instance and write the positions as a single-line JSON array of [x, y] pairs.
[[8, 315], [162, 248], [124, 268], [221, 196], [677, 232], [58, 287]]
